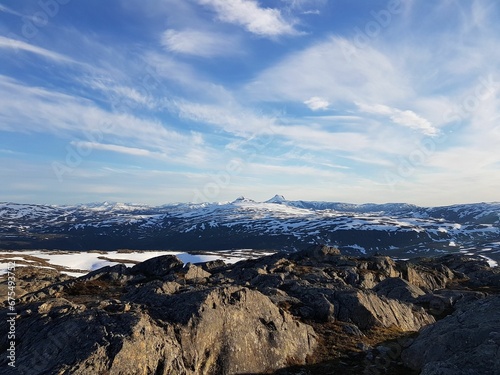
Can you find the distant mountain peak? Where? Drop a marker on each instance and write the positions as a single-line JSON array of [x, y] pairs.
[[277, 199], [242, 199]]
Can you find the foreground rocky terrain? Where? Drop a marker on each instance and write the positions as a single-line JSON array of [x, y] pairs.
[[315, 311]]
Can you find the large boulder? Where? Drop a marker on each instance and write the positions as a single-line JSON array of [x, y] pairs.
[[367, 310], [31, 279], [466, 342], [221, 330], [398, 289], [237, 330], [61, 337], [427, 277], [317, 252], [157, 267]]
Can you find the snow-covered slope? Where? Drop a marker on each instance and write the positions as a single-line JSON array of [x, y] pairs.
[[398, 228]]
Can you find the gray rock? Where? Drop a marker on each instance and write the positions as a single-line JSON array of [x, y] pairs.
[[114, 273], [225, 330], [318, 252], [367, 310], [213, 265], [164, 317], [445, 301], [157, 267], [317, 307], [192, 272], [32, 279], [426, 277], [398, 289], [383, 265], [268, 281], [466, 342]]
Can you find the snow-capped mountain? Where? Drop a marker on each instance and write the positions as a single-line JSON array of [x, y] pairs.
[[396, 229]]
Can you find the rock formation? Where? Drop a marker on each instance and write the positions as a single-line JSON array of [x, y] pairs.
[[465, 342], [315, 310]]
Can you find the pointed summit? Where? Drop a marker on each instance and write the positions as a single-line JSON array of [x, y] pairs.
[[242, 199], [277, 199]]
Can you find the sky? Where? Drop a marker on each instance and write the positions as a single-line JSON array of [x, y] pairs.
[[154, 102]]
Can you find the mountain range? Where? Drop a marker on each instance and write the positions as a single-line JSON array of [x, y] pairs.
[[396, 229]]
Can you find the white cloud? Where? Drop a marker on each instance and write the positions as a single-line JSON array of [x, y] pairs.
[[69, 116], [413, 121], [5, 9], [18, 44], [119, 93], [405, 118], [199, 43], [266, 22], [306, 6], [327, 69], [116, 148], [316, 103], [231, 118], [192, 82], [308, 137]]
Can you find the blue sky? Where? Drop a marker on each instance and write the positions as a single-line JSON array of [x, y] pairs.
[[205, 100]]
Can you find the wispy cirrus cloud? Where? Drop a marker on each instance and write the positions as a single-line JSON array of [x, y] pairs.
[[9, 43], [265, 22], [306, 6], [134, 151], [67, 116], [326, 69], [405, 118], [199, 43], [5, 9], [232, 118]]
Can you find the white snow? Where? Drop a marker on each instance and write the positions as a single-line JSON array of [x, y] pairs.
[[89, 261], [361, 249], [490, 261]]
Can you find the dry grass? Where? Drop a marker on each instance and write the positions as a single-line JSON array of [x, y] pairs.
[[95, 288], [339, 352]]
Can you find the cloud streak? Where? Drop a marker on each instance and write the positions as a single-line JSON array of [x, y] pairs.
[[65, 115], [9, 43], [199, 43], [265, 22], [405, 118]]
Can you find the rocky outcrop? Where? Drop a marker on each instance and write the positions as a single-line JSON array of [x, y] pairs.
[[256, 316], [30, 279], [224, 330], [398, 289], [464, 343], [367, 310]]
